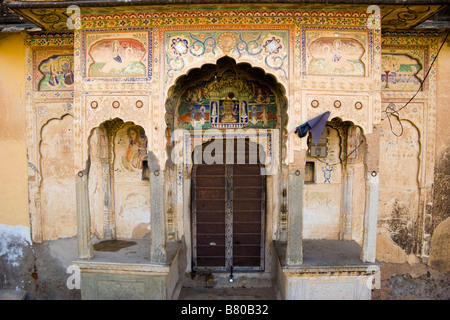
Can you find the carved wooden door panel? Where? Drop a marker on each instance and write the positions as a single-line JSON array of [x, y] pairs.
[[208, 207], [228, 206], [248, 200]]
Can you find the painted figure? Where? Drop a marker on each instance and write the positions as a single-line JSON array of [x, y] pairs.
[[243, 112], [214, 112], [120, 57], [68, 74], [228, 112], [136, 151], [341, 56], [254, 116], [327, 172], [264, 116], [193, 115], [57, 73], [53, 81], [117, 51], [202, 115]]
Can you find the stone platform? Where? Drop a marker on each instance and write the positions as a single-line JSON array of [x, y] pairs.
[[331, 269], [127, 273]]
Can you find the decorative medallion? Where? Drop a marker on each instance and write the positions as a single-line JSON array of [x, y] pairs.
[[314, 103], [94, 104], [116, 104], [139, 104], [226, 42], [179, 45], [273, 45], [42, 111], [337, 104], [358, 105]]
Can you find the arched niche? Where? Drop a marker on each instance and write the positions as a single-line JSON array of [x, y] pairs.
[[335, 183], [119, 190], [58, 218]]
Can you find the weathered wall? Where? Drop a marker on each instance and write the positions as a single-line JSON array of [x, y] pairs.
[[40, 269], [132, 192], [407, 145], [321, 211], [13, 159], [59, 217], [439, 224]]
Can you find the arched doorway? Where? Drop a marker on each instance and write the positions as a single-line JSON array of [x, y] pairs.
[[228, 208], [220, 101]]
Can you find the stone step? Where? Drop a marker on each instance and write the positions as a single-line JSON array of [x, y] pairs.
[[221, 280], [227, 294]]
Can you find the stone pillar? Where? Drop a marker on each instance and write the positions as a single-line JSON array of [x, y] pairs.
[[368, 252], [158, 235], [85, 249], [187, 217], [109, 229], [294, 241], [346, 205]]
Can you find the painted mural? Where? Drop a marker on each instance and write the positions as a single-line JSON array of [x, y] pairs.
[[117, 55], [130, 149], [269, 48], [400, 72], [337, 52], [53, 69], [227, 103], [131, 191], [57, 73], [336, 56], [117, 58]]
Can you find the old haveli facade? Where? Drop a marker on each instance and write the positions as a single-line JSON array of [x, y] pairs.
[[121, 121]]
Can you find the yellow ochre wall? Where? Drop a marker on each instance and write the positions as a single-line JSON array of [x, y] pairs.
[[13, 152]]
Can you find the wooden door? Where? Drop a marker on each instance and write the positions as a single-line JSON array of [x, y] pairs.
[[228, 207]]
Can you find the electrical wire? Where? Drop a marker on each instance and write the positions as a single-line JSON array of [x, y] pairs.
[[346, 157], [391, 111]]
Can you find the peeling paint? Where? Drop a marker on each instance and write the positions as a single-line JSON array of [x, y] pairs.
[[441, 201], [402, 228], [12, 238]]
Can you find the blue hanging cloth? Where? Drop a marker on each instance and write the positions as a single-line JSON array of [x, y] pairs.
[[315, 125]]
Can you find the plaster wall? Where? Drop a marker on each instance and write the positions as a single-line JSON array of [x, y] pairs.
[[13, 159], [438, 226], [59, 217], [408, 144], [321, 211]]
